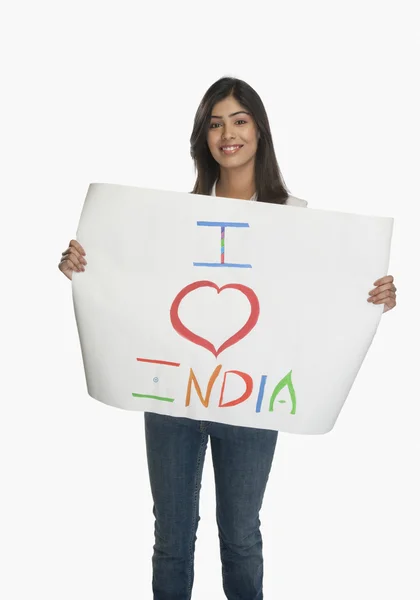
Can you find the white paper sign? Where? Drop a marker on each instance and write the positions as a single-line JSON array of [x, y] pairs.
[[224, 310]]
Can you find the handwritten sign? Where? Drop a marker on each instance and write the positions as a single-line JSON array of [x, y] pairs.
[[224, 310]]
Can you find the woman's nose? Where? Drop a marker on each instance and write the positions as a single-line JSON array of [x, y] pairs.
[[228, 135]]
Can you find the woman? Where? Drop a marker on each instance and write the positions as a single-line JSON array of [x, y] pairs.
[[233, 152]]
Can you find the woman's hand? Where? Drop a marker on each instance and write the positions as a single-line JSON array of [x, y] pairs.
[[384, 293], [72, 259]]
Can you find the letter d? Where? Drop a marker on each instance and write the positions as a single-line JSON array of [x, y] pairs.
[[248, 389]]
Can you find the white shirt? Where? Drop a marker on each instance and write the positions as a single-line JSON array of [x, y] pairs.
[[290, 201]]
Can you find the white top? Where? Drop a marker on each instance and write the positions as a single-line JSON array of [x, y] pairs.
[[290, 201]]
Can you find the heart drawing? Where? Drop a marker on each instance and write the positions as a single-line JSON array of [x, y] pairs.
[[200, 341]]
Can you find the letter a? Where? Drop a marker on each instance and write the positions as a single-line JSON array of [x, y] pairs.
[[286, 381]]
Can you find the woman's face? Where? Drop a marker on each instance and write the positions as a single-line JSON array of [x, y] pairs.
[[232, 137]]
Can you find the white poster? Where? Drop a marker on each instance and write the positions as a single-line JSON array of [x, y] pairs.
[[224, 310]]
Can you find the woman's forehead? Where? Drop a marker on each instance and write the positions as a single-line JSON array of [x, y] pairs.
[[226, 107]]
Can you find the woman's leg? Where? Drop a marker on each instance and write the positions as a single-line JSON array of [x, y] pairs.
[[242, 458], [175, 454]]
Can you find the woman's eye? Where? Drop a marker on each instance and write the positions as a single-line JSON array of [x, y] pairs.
[[214, 125]]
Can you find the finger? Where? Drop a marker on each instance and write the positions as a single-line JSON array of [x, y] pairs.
[[71, 262], [79, 247], [67, 265], [76, 244], [72, 250], [382, 288], [382, 280], [75, 258], [381, 298]]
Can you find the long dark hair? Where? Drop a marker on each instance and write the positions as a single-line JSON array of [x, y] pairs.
[[269, 182]]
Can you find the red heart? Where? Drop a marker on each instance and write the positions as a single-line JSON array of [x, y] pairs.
[[200, 341]]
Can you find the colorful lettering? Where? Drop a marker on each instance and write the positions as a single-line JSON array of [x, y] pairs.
[[186, 333], [193, 380], [286, 381], [248, 389], [222, 263]]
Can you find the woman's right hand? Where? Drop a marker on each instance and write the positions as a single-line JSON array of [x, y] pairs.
[[72, 259]]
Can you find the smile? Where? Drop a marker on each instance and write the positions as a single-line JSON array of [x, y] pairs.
[[230, 149]]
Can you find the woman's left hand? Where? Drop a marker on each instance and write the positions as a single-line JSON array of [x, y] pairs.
[[384, 293]]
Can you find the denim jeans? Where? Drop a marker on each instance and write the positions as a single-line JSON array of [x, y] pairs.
[[242, 458]]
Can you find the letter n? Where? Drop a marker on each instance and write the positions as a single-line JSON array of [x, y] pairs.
[[193, 380]]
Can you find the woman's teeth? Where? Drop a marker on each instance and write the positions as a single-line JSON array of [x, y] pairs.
[[230, 149]]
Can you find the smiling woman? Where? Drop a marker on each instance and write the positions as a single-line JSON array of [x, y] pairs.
[[233, 152], [232, 145]]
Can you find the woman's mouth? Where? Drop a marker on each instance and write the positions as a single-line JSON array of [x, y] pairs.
[[231, 149]]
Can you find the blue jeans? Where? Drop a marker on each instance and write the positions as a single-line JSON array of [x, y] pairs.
[[242, 458]]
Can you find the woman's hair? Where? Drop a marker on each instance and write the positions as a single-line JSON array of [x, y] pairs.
[[270, 186]]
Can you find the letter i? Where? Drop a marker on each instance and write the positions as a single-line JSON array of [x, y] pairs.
[[261, 393]]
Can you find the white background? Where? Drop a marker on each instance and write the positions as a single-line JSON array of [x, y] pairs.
[[107, 92]]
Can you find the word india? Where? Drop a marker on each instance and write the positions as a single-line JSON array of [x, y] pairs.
[[183, 331]]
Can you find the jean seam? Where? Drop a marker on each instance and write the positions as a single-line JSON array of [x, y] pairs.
[[196, 491]]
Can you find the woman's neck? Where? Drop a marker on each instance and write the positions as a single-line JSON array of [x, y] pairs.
[[236, 183]]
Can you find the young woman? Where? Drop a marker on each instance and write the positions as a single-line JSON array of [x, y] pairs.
[[233, 152]]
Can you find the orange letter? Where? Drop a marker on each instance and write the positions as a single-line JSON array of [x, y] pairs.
[[192, 379], [248, 390]]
